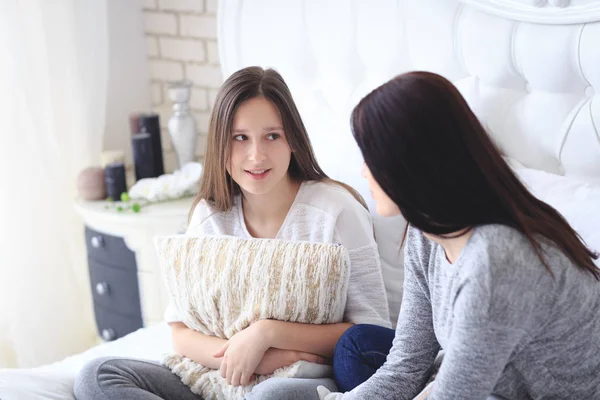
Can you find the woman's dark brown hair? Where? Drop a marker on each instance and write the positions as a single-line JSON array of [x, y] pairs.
[[433, 158], [216, 185]]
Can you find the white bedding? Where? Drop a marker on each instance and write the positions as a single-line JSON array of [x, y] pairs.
[[577, 200], [55, 381]]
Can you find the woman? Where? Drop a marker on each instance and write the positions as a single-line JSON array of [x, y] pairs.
[[494, 277], [260, 180]]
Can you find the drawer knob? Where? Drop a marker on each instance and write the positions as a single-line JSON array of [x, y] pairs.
[[108, 334], [97, 242], [102, 288]]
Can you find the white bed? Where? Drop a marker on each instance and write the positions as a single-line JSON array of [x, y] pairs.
[[530, 69]]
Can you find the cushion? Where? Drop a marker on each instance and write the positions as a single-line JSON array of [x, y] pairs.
[[388, 235], [577, 199], [222, 284]]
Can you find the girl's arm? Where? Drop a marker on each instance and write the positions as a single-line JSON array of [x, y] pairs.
[[195, 345], [315, 339], [201, 348]]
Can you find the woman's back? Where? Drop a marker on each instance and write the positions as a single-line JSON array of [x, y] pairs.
[[498, 294]]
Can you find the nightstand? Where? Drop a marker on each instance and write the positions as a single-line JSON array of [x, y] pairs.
[[127, 284]]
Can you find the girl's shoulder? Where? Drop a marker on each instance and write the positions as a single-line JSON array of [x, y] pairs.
[[205, 214], [329, 197], [202, 211]]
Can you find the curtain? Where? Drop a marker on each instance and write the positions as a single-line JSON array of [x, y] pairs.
[[53, 88]]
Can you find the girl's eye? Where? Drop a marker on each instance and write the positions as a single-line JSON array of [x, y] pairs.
[[239, 138], [273, 136]]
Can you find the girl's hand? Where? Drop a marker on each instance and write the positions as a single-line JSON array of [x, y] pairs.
[[277, 358], [241, 355]]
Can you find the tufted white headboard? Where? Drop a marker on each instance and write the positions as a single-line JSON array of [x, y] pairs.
[[529, 68]]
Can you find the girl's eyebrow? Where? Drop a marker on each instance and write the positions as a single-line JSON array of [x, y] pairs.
[[269, 128]]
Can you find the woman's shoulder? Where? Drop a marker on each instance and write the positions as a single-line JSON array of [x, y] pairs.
[[417, 248], [500, 241], [505, 254]]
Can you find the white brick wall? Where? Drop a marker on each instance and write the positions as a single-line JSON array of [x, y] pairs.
[[181, 42], [201, 26], [211, 6], [160, 23], [204, 75], [182, 49], [166, 70], [184, 6]]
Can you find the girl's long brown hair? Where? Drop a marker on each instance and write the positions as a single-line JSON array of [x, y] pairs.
[[432, 157], [216, 185]]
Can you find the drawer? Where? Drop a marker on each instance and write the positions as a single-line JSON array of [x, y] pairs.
[[108, 249], [112, 325], [115, 289]]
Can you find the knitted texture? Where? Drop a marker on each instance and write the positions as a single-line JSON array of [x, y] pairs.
[[222, 284]]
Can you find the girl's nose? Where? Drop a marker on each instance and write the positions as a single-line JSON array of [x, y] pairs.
[[257, 152]]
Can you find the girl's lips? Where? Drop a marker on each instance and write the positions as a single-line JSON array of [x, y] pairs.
[[256, 176]]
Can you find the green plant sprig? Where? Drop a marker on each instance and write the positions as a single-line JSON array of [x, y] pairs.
[[125, 204]]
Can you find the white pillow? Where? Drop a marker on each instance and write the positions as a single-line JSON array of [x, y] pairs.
[[577, 200], [220, 285]]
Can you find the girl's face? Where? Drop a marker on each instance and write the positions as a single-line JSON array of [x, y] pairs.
[[384, 205], [260, 154]]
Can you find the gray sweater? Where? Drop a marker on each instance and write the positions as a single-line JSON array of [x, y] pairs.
[[506, 326]]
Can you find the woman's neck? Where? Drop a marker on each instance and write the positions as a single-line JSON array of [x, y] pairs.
[[454, 245], [264, 214]]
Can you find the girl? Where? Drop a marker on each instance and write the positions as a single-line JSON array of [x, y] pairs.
[[493, 276], [260, 180]]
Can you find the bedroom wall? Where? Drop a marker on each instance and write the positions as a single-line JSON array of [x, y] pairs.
[[128, 73], [181, 42]]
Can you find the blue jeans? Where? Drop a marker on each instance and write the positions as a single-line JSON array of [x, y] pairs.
[[359, 353]]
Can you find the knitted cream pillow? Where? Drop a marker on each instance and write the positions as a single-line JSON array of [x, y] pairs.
[[222, 284]]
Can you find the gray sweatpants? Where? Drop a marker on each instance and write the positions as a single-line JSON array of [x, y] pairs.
[[109, 378]]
